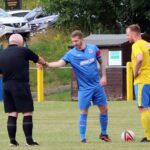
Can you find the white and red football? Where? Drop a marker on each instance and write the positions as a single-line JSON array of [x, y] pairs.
[[128, 136]]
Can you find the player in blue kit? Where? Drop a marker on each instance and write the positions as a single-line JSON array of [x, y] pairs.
[[83, 58]]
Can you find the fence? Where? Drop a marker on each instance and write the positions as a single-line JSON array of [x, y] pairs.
[[129, 82]]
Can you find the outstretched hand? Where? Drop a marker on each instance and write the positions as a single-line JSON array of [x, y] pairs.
[[42, 64]]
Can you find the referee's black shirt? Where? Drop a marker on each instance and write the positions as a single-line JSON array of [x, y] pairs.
[[14, 63]]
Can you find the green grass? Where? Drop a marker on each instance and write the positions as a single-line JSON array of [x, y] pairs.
[[61, 96], [56, 127], [52, 78]]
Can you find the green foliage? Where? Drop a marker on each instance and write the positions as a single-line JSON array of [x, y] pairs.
[[87, 15], [30, 4], [100, 16], [141, 13], [2, 3], [52, 46]]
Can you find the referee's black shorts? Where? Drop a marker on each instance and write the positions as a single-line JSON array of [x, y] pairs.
[[17, 97]]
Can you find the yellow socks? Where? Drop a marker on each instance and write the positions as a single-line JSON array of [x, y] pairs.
[[145, 119]]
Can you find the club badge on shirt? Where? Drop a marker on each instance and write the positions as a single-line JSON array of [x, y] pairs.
[[90, 51]]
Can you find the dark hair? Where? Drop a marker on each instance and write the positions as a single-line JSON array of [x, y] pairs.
[[134, 28], [77, 33]]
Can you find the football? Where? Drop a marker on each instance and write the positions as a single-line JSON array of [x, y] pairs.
[[128, 136]]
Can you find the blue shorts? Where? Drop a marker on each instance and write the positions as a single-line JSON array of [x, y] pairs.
[[96, 96], [142, 94]]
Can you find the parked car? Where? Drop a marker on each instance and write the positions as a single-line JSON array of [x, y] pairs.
[[19, 13], [39, 21], [10, 24]]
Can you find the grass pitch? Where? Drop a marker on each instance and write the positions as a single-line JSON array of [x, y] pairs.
[[56, 127]]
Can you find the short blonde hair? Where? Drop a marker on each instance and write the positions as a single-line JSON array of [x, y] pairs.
[[77, 33], [135, 28]]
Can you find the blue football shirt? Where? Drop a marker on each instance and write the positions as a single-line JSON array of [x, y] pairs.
[[84, 63]]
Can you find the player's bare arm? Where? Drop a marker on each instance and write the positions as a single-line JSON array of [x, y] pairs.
[[57, 64], [148, 45], [103, 80], [139, 60]]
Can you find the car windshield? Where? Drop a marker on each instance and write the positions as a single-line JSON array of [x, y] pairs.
[[20, 14], [3, 13], [33, 13]]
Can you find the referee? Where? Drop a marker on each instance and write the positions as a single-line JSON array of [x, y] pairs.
[[14, 66]]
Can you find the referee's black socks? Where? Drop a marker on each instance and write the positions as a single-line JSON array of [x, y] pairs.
[[27, 128], [12, 128]]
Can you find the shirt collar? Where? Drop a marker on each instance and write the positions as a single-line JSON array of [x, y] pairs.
[[83, 50], [11, 45]]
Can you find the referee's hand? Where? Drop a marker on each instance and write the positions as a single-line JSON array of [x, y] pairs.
[[103, 81]]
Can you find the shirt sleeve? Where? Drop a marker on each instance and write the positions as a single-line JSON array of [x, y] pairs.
[[32, 56], [66, 58], [98, 52], [136, 50]]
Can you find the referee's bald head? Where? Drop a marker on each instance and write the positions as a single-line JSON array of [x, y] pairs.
[[16, 39]]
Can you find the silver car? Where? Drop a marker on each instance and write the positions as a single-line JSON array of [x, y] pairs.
[[10, 24], [39, 21], [19, 13]]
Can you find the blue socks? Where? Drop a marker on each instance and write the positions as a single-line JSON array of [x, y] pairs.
[[82, 126], [103, 119]]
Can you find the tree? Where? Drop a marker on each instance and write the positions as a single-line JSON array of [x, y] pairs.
[[134, 11], [141, 13], [87, 15]]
